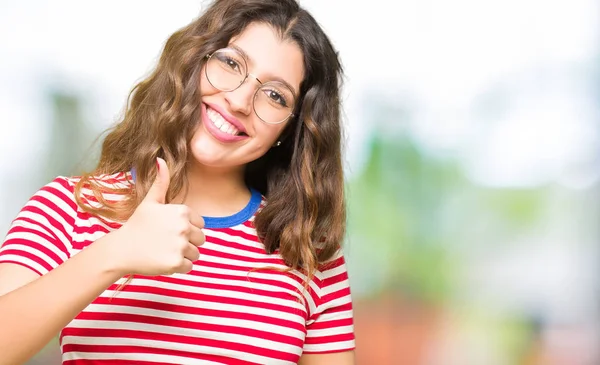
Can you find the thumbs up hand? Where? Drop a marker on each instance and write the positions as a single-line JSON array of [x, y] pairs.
[[159, 238]]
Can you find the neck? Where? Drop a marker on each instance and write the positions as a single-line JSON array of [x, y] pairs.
[[215, 192]]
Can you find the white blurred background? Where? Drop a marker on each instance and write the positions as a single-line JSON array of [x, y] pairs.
[[472, 155]]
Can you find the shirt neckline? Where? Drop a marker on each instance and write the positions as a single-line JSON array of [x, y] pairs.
[[232, 220]]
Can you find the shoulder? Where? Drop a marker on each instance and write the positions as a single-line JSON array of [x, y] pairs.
[[68, 183], [59, 195]]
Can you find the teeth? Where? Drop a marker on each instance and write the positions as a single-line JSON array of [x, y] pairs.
[[221, 123]]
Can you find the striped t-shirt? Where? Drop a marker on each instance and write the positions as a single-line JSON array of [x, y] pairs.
[[232, 308]]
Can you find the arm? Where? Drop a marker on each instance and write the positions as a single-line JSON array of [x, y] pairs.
[[157, 239], [338, 358], [330, 331], [35, 312]]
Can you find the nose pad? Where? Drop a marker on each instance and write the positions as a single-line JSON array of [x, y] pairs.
[[241, 99]]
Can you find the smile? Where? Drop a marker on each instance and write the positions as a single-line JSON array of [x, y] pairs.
[[222, 127]]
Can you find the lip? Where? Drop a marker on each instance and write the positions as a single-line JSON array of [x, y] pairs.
[[236, 123], [218, 134]]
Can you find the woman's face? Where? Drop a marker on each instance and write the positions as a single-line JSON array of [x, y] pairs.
[[215, 142]]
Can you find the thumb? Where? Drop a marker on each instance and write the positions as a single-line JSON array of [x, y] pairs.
[[158, 190]]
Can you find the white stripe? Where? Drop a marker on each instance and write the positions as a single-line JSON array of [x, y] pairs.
[[241, 323], [56, 199], [218, 292], [85, 236], [244, 281], [255, 265], [342, 330], [336, 302], [234, 238], [322, 275], [38, 254], [327, 347], [324, 317], [206, 305], [120, 341], [43, 220], [171, 330], [245, 229], [135, 357], [30, 236], [344, 284], [25, 261]]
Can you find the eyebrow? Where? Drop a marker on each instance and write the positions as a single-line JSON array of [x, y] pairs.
[[269, 76]]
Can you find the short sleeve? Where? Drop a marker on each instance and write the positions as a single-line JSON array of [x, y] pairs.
[[331, 327], [39, 237]]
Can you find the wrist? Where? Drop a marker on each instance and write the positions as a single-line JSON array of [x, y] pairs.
[[107, 252]]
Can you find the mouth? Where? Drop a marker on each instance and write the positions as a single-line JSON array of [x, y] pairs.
[[224, 125]]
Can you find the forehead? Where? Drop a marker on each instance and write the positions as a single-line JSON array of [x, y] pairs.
[[269, 56]]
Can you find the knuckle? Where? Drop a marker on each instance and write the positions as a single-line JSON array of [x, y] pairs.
[[183, 229], [183, 211]]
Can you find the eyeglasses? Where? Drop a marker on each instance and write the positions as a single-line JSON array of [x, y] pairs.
[[273, 102]]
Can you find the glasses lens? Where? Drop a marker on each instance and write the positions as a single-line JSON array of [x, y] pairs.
[[274, 102], [226, 69]]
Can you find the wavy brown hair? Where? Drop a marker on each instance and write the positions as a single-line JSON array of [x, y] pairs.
[[302, 179]]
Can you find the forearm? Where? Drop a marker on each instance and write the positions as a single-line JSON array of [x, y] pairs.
[[31, 315]]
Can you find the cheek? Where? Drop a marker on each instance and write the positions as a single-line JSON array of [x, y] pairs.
[[269, 134], [205, 87]]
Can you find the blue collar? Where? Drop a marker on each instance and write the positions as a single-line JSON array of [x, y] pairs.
[[233, 220]]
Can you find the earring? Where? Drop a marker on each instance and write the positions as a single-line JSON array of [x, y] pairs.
[[277, 144]]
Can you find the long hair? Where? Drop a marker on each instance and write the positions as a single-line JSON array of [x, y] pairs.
[[302, 179]]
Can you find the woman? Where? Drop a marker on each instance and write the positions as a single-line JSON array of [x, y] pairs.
[[210, 231]]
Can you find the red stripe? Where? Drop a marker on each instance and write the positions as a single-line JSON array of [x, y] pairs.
[[331, 280], [156, 336], [67, 198], [229, 287], [29, 256], [35, 245], [20, 264], [92, 228], [54, 224], [112, 349], [247, 276], [263, 270], [200, 326], [341, 308], [336, 295], [335, 351], [262, 260], [324, 325], [216, 313], [319, 340], [208, 298], [111, 362], [332, 264], [55, 240], [247, 236]]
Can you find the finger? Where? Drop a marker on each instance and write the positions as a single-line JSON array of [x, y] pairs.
[[158, 190], [191, 252], [185, 267], [196, 236], [196, 219]]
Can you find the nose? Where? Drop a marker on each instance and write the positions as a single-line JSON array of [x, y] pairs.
[[241, 99]]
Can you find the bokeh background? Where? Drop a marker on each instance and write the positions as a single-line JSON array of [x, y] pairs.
[[472, 158]]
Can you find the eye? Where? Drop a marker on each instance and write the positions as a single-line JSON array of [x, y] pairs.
[[229, 62], [275, 96]]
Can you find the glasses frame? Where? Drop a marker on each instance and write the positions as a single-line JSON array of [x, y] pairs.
[[261, 84]]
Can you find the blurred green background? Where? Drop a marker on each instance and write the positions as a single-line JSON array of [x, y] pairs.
[[472, 159]]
